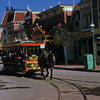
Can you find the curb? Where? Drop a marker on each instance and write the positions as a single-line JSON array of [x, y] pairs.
[[78, 69]]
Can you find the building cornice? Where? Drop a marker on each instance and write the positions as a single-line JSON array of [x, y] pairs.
[[84, 6], [12, 22], [55, 8]]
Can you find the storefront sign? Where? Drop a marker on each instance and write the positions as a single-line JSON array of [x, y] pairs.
[[42, 46]]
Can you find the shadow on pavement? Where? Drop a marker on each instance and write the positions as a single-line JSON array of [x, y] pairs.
[[5, 73], [36, 76], [91, 91], [7, 88]]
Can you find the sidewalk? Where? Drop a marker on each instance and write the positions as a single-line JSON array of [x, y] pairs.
[[77, 67]]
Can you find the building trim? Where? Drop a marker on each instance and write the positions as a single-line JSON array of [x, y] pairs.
[[86, 5]]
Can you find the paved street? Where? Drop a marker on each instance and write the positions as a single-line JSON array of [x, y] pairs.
[[33, 39], [19, 87], [89, 82]]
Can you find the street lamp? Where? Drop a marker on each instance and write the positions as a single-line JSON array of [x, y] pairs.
[[94, 57]]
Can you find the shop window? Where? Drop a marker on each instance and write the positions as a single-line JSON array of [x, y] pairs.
[[86, 21], [5, 41], [9, 29], [4, 32], [98, 49], [79, 50]]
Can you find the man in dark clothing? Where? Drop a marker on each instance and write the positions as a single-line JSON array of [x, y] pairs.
[[41, 61], [51, 63], [46, 62]]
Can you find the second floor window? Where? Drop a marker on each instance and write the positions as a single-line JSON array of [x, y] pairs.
[[86, 20], [4, 32], [9, 29]]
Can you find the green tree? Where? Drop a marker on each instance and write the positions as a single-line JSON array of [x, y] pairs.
[[64, 37]]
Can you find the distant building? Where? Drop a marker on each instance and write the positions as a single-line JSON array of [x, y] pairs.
[[90, 12], [75, 27], [25, 30], [10, 23], [17, 24], [58, 15]]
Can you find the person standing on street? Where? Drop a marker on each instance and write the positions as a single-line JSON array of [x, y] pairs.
[[51, 63], [41, 61], [46, 62]]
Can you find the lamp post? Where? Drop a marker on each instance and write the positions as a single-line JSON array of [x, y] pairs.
[[94, 57]]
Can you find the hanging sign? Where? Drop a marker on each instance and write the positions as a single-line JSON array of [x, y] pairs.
[[42, 46]]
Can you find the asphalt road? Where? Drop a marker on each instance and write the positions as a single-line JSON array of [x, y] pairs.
[[89, 82], [22, 88], [14, 87]]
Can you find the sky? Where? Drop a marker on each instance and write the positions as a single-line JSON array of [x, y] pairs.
[[35, 5]]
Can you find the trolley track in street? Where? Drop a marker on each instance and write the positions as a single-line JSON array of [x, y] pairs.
[[56, 81]]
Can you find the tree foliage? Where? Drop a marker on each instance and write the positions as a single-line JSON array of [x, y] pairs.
[[63, 36]]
